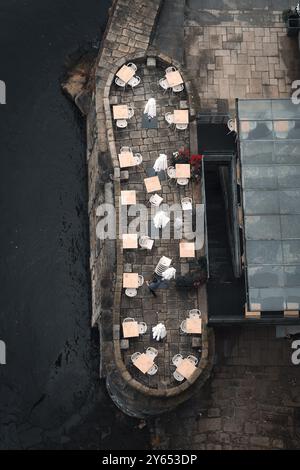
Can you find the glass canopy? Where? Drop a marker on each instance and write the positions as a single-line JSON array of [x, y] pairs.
[[269, 134]]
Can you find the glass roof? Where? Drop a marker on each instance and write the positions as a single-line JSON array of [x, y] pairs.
[[269, 133]]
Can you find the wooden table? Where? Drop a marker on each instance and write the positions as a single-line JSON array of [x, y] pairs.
[[194, 325], [144, 363], [128, 198], [187, 250], [174, 78], [245, 126], [129, 240], [152, 184], [126, 159], [130, 280], [186, 368], [183, 170], [181, 116], [125, 73], [130, 329], [120, 111], [281, 126]]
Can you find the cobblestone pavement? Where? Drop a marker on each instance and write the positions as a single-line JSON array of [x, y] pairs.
[[170, 306], [252, 400], [238, 52]]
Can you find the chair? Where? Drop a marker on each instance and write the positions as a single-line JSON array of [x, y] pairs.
[[193, 360], [120, 82], [130, 112], [178, 376], [183, 326], [140, 280], [176, 360], [171, 69], [155, 200], [163, 264], [195, 313], [169, 117], [121, 123], [231, 124], [134, 356], [163, 83], [151, 352], [132, 66], [146, 242], [142, 328], [131, 292], [182, 181], [171, 172], [138, 158], [125, 149], [153, 370], [181, 127], [134, 81], [178, 88], [186, 204], [128, 319]]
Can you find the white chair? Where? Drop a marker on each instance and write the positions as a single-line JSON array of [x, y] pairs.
[[187, 204], [145, 242], [163, 83], [195, 313], [125, 149], [178, 376], [128, 319], [193, 360], [178, 88], [131, 292], [163, 264], [181, 127], [120, 82], [152, 352], [171, 172], [171, 69], [134, 81], [142, 328], [138, 158], [140, 280], [231, 124], [153, 370], [130, 112], [169, 117], [134, 356], [177, 359], [183, 326], [182, 181], [121, 123], [132, 66], [156, 200]]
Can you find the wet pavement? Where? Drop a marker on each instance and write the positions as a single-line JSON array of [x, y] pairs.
[[50, 393]]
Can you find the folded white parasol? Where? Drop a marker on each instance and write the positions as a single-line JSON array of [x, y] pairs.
[[150, 108], [160, 219], [159, 331], [169, 274], [161, 163]]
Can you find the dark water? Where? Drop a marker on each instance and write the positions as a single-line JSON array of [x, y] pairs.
[[50, 396]]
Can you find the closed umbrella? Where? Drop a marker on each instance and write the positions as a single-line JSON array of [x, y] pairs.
[[169, 274], [159, 331], [161, 163], [160, 219], [150, 108]]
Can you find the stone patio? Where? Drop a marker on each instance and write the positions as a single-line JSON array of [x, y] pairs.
[[171, 306]]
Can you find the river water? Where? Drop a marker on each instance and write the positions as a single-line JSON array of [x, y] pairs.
[[50, 393]]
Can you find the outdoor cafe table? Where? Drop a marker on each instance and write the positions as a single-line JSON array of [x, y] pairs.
[[144, 363], [186, 368], [174, 78], [120, 111], [187, 249], [194, 325], [125, 73], [181, 116], [183, 170], [126, 159], [130, 280], [130, 329], [128, 198], [152, 184], [129, 240]]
